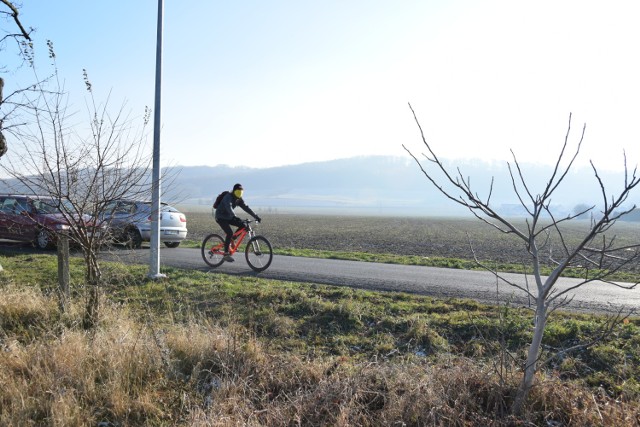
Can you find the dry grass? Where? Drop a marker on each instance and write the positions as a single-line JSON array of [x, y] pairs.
[[137, 371]]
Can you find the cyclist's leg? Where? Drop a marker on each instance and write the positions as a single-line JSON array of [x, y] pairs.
[[237, 222], [227, 231]]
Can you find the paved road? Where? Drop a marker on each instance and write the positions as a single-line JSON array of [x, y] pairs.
[[438, 282]]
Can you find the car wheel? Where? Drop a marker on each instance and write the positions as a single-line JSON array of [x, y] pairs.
[[132, 239], [43, 239], [172, 244]]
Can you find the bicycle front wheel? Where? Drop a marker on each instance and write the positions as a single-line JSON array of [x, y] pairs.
[[213, 250], [258, 253]]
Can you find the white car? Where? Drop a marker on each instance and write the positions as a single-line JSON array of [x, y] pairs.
[[130, 223]]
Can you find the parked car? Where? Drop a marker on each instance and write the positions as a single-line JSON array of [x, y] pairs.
[[36, 219], [129, 222]]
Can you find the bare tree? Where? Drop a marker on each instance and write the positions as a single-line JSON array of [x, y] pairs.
[[15, 31], [83, 170], [597, 254]]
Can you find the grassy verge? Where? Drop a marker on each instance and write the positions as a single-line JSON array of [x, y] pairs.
[[211, 349]]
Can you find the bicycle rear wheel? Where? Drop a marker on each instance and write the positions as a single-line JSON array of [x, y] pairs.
[[213, 250], [258, 253]]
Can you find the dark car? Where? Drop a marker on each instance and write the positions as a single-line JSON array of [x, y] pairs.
[[130, 223], [35, 219]]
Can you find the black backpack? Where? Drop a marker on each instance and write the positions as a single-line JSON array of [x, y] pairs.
[[219, 199]]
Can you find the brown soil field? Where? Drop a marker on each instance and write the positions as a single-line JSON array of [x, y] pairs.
[[424, 236]]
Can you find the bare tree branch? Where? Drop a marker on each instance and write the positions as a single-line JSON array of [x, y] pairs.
[[14, 14], [25, 52]]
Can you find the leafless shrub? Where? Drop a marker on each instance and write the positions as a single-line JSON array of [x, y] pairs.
[[597, 254], [82, 171]]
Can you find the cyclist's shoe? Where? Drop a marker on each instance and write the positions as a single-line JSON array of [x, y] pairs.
[[227, 257]]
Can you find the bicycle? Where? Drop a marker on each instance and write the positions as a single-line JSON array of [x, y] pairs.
[[258, 251]]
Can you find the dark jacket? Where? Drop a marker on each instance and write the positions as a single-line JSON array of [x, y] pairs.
[[228, 203]]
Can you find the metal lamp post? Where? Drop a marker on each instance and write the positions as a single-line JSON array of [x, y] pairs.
[[154, 260]]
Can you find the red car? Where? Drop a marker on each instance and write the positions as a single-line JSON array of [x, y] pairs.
[[35, 219]]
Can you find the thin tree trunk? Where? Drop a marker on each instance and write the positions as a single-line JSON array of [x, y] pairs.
[[93, 276], [531, 365], [91, 313]]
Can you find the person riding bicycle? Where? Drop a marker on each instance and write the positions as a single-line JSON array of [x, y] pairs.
[[226, 218]]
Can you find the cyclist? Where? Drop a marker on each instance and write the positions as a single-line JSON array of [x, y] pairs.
[[226, 218]]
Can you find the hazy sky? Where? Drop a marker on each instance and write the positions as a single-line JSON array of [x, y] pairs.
[[266, 83]]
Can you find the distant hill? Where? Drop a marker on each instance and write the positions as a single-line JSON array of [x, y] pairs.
[[375, 185], [379, 185]]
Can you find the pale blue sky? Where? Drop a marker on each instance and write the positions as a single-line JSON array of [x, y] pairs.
[[267, 83]]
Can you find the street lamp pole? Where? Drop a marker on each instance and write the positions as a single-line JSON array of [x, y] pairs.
[[154, 260]]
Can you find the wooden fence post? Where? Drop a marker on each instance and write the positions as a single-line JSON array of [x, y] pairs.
[[63, 268]]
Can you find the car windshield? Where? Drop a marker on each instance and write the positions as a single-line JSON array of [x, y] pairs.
[[168, 208], [164, 207], [51, 206]]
